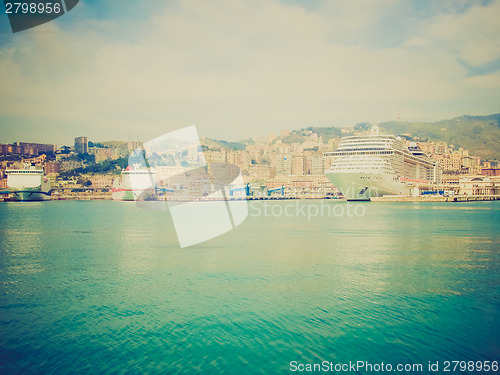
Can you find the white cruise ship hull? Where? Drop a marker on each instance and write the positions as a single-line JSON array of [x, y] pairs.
[[364, 185], [132, 195], [29, 195]]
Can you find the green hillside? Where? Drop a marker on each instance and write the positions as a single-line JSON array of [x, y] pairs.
[[217, 144], [327, 133], [478, 134]]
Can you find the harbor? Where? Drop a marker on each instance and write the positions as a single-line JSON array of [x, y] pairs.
[[435, 198]]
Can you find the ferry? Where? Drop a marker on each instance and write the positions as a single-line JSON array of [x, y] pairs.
[[28, 184], [134, 184], [365, 166]]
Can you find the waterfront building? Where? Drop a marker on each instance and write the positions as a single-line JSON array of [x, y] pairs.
[[170, 175], [260, 172], [479, 185], [278, 181]]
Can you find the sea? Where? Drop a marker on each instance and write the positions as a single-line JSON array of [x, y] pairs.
[[103, 287]]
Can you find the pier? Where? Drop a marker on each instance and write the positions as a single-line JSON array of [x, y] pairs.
[[435, 198]]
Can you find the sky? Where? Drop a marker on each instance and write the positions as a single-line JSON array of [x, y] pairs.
[[134, 70]]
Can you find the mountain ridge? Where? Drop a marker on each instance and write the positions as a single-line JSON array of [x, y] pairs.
[[478, 134]]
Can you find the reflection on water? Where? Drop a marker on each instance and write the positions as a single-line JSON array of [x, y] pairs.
[[104, 287]]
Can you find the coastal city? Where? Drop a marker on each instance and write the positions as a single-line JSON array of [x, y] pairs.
[[239, 187], [291, 164]]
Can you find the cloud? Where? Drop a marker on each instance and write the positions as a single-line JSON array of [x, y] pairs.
[[244, 68], [473, 36]]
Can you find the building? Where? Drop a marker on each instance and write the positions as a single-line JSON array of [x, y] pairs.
[[52, 167], [313, 164], [490, 171], [81, 145], [214, 157], [284, 164], [27, 149], [132, 145], [260, 172], [318, 186], [240, 158], [102, 181], [459, 162], [479, 185], [299, 165], [102, 154], [333, 144]]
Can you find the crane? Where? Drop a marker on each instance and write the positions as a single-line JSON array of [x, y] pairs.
[[246, 188], [282, 188], [163, 190]]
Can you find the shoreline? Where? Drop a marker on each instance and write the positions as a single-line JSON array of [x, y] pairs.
[[423, 198], [383, 199]]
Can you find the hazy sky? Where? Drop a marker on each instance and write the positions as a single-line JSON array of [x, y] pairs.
[[121, 69]]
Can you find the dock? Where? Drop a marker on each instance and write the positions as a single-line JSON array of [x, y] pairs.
[[435, 198]]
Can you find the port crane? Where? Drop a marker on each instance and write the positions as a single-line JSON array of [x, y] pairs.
[[246, 188], [163, 190], [282, 189]]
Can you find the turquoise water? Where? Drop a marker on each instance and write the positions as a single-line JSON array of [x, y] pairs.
[[103, 287]]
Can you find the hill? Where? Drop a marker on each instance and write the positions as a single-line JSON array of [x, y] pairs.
[[217, 144], [478, 134]]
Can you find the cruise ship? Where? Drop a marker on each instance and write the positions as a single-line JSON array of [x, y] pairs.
[[28, 184], [365, 166], [134, 184]]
